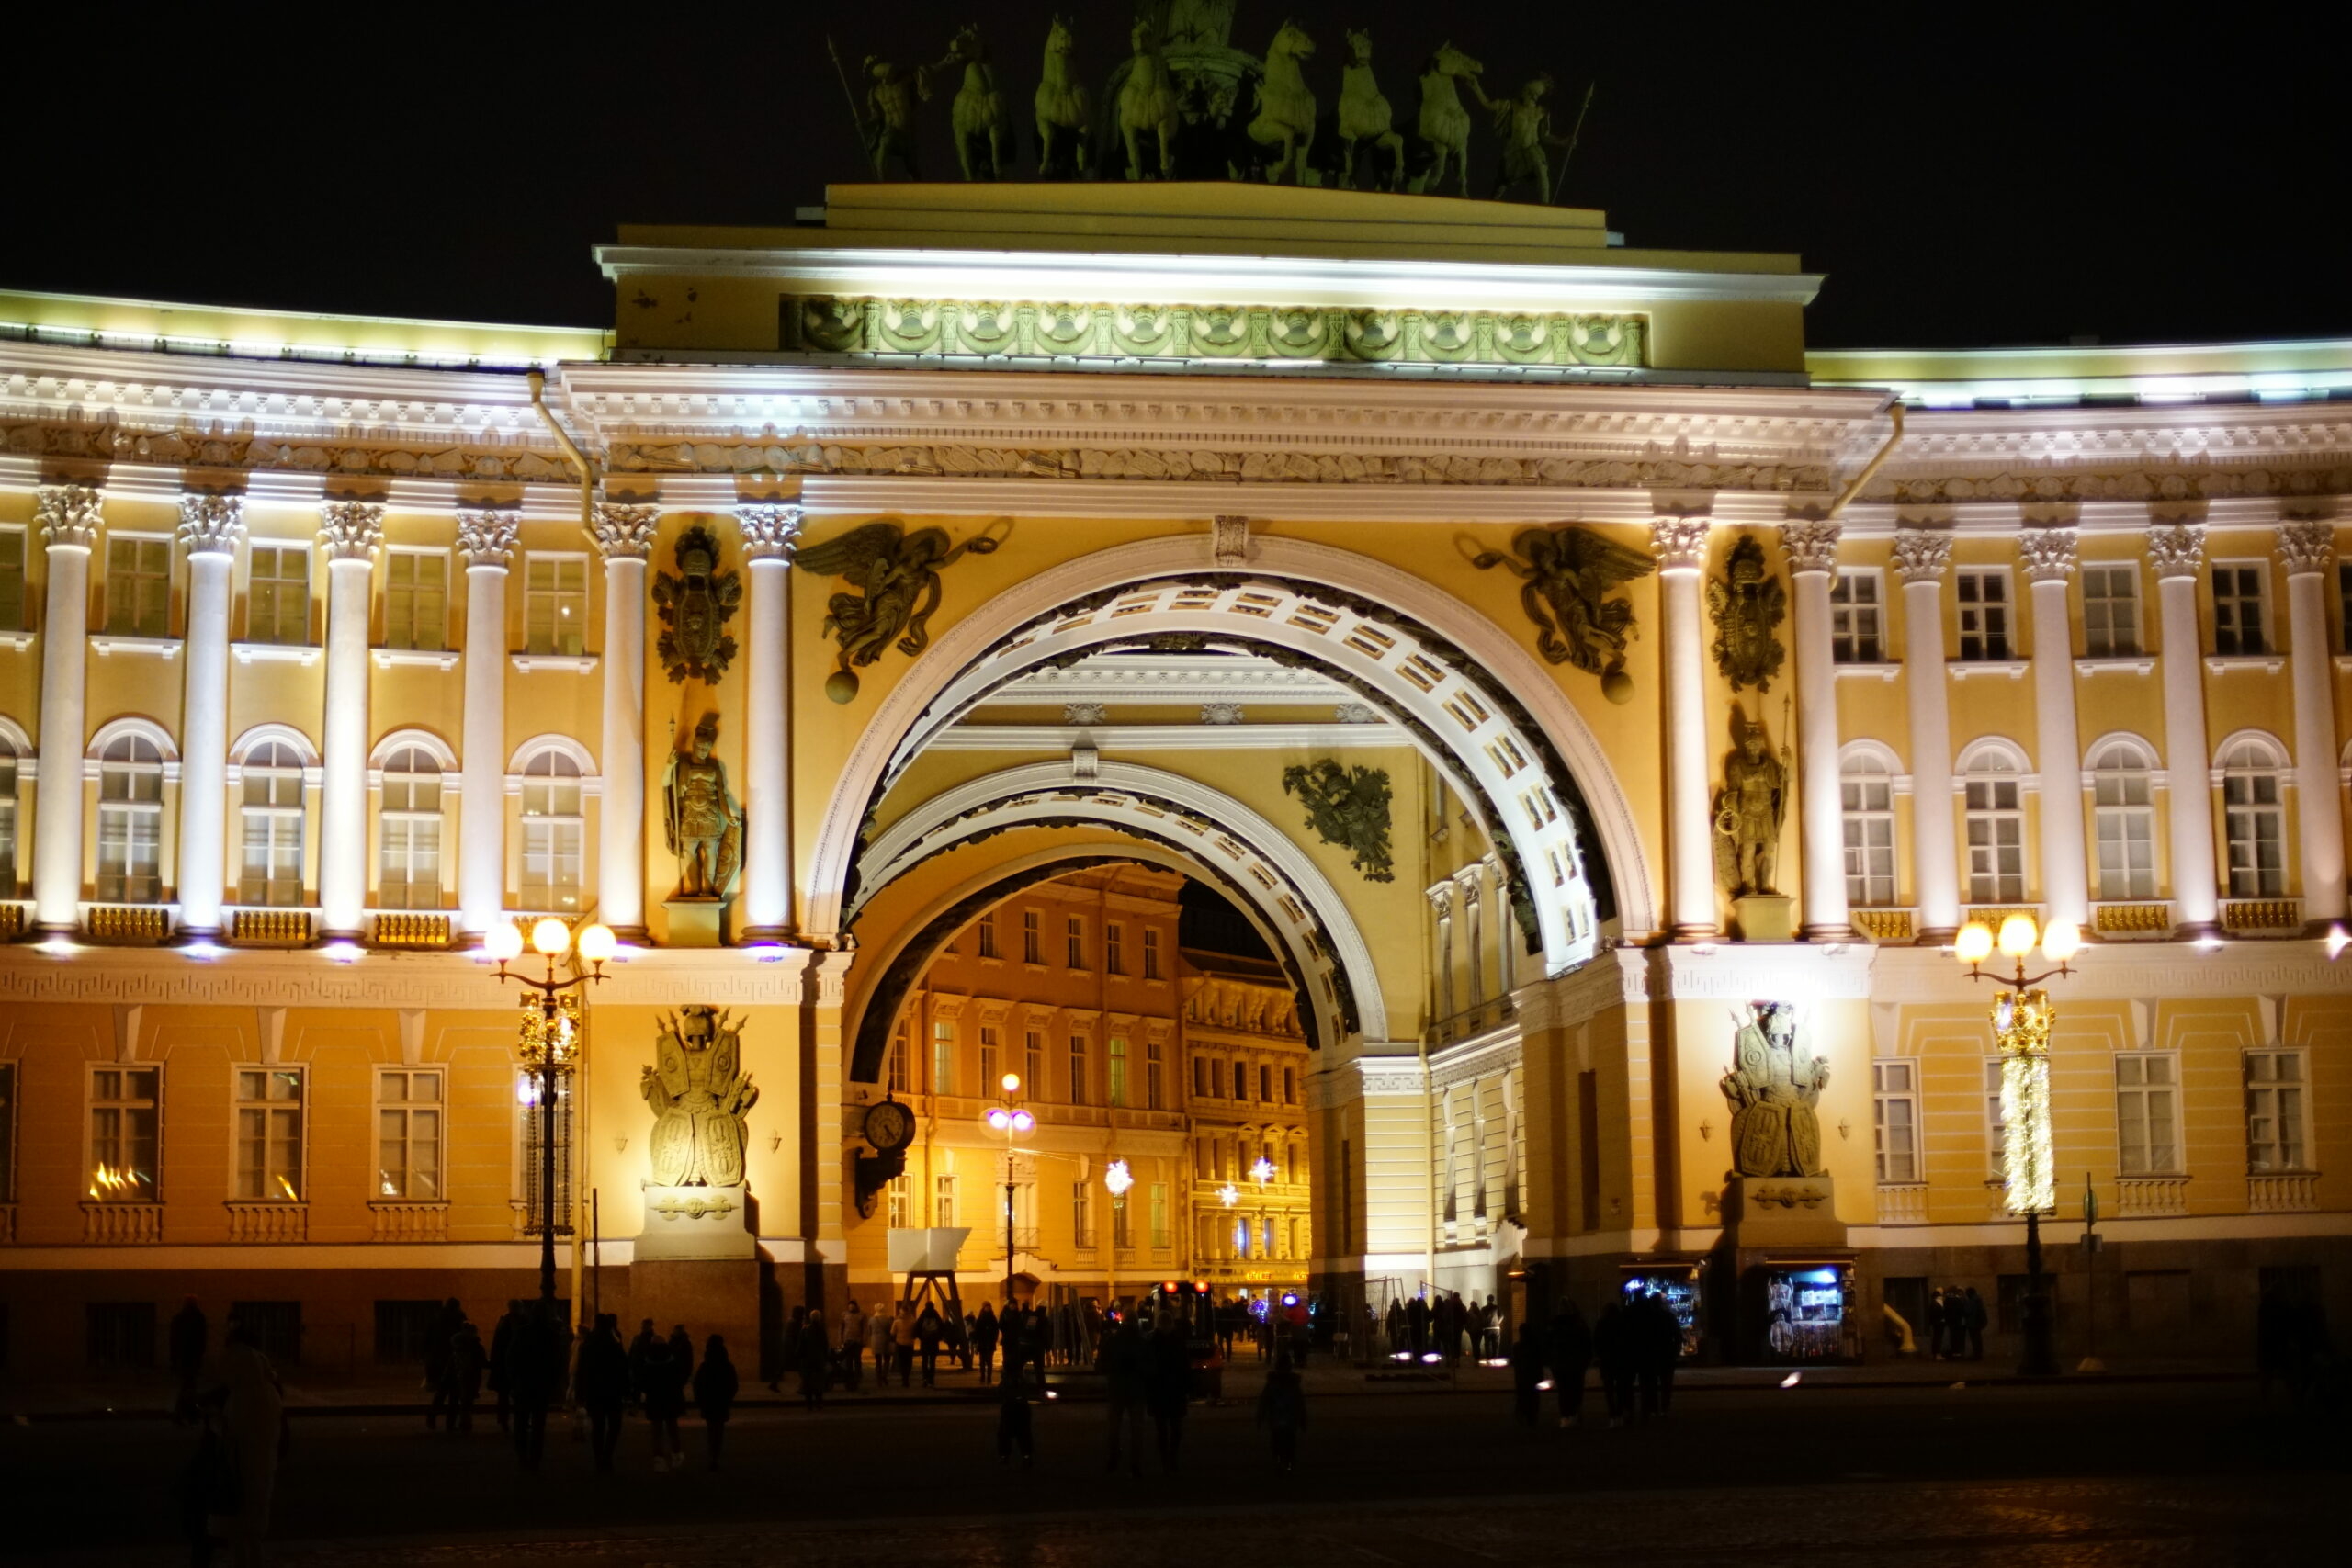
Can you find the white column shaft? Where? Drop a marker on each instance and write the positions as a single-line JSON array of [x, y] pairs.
[[204, 745], [2196, 886], [1820, 802], [1690, 852], [1935, 849], [57, 800], [767, 800], [482, 802], [620, 860], [343, 800], [2066, 866], [2319, 808]]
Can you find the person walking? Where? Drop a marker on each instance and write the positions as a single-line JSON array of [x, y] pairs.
[[715, 1386], [1569, 1345], [603, 1387], [1014, 1428], [1527, 1361], [1281, 1410], [984, 1336], [1168, 1371], [538, 1352], [1938, 1313], [1123, 1382], [1658, 1345], [1612, 1348], [252, 1407], [682, 1346], [439, 1335], [661, 1386], [1973, 1309], [790, 1363], [502, 1362], [878, 1327], [816, 1362], [929, 1330], [462, 1380], [191, 1336], [902, 1343], [852, 1351], [639, 1350]]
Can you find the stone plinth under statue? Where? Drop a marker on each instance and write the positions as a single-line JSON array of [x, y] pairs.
[[1781, 1211], [698, 1259]]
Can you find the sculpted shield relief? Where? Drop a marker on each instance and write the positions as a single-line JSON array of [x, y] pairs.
[[1773, 1086], [700, 1096]]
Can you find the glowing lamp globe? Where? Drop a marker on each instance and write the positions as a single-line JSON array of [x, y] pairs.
[[550, 937], [1118, 1178], [503, 941], [1010, 1083], [2062, 941], [1974, 944], [2018, 936], [1000, 1120], [1022, 1120], [597, 943]]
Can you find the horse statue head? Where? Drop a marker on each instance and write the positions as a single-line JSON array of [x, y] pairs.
[[1359, 47], [1450, 61], [1290, 43], [1057, 36], [967, 45], [1143, 39]]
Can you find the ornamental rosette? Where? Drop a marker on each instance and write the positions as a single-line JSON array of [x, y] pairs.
[[2048, 554], [1810, 544], [769, 532], [211, 525], [2176, 549], [1679, 543], [1922, 555], [2306, 544], [69, 516], [487, 539], [351, 529], [625, 530]]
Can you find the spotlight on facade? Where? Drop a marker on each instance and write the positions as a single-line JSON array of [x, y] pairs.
[[343, 951], [2338, 941]]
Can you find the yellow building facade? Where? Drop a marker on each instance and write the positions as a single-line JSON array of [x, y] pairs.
[[330, 643]]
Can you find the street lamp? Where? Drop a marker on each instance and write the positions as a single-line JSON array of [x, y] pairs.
[[1118, 1178], [550, 1041], [1008, 1117], [2022, 1016]]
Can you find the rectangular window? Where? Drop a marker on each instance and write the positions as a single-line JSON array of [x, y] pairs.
[[1077, 1069], [8, 1131], [1894, 1116], [404, 1331], [130, 834], [551, 858], [1856, 628], [942, 1201], [987, 935], [1160, 1232], [1200, 1078], [12, 579], [276, 1328], [272, 821], [1150, 952], [269, 1134], [409, 870], [1032, 948], [2111, 610], [1033, 1061], [1121, 1236], [1081, 1213], [139, 587], [1266, 1086], [898, 1208], [1154, 1092], [2240, 607], [1074, 939], [2125, 820], [534, 1205], [7, 820], [1984, 612], [120, 1333], [943, 1057], [1290, 1086], [2257, 823], [1240, 1081], [124, 1125], [1118, 1071], [1995, 843], [1115, 942], [898, 1061], [1868, 817], [416, 600], [1996, 1130], [2274, 1111], [555, 604], [278, 595], [408, 1133], [2147, 1107], [991, 1064]]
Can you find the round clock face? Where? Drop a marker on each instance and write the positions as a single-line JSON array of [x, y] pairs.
[[890, 1125]]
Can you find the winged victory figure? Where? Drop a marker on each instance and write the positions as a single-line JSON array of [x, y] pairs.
[[1565, 575], [897, 576]]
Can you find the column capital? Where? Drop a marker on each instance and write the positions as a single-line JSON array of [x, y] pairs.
[[487, 539], [770, 531], [1679, 543], [69, 516], [1922, 555], [1440, 898], [1810, 544], [624, 530], [2048, 554], [2176, 549], [211, 525], [351, 530], [2306, 544]]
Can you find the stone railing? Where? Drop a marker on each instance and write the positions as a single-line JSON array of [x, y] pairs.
[[2139, 920], [126, 923], [2141, 1196], [254, 927], [2282, 1192], [2263, 917], [15, 915], [1472, 1022], [1886, 927], [410, 1221], [110, 1223], [1903, 1202], [269, 1221], [1992, 915], [410, 928]]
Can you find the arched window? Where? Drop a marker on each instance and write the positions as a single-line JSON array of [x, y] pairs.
[[7, 817], [1867, 802], [2122, 808], [272, 869], [554, 825], [2257, 822], [1995, 831], [409, 867], [130, 822]]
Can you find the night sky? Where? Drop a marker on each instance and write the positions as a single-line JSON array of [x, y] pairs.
[[1964, 176]]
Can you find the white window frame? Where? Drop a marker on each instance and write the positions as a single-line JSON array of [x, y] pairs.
[[274, 630], [1981, 784], [550, 842], [95, 1104], [404, 821], [123, 619], [1866, 793], [2278, 1110], [1116, 1075], [1032, 1062], [991, 1059], [2233, 641], [942, 1198], [271, 1181], [1995, 643], [1081, 1213], [12, 773], [1080, 1049], [2254, 776], [1857, 628], [134, 821], [2139, 1086], [1151, 953], [896, 1065], [404, 1112], [1074, 942], [1033, 939], [397, 627], [943, 1056], [2111, 639], [283, 826], [987, 942], [2123, 829], [895, 1214], [1894, 1120], [566, 633]]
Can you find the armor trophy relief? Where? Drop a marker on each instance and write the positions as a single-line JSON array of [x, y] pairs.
[[1780, 1185], [696, 1197]]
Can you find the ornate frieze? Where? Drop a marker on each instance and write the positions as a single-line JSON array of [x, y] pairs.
[[1221, 712], [350, 530], [487, 539], [1810, 544], [211, 525], [2306, 546], [69, 516], [770, 531], [2176, 549], [2048, 554], [625, 530], [1922, 555], [2215, 483], [1209, 334]]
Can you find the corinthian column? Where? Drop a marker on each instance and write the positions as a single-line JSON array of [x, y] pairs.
[[210, 526], [486, 540], [69, 518], [625, 537], [1680, 544], [1812, 549], [2307, 549], [2049, 555], [350, 530], [770, 535], [2178, 551], [1921, 559]]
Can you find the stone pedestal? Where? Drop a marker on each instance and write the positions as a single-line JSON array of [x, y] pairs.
[[1782, 1211], [696, 1224], [698, 1264], [699, 922], [1764, 917]]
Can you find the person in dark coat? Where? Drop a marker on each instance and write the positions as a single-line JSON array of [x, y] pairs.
[[437, 1339], [1527, 1361], [604, 1388], [816, 1362], [1658, 1349], [1938, 1314], [1417, 1327], [1014, 1428], [1125, 1380], [639, 1350], [462, 1380], [190, 1338], [1612, 1347], [502, 1362], [661, 1384], [984, 1336], [930, 1328], [1973, 1305], [537, 1353], [715, 1386], [682, 1347], [1281, 1410], [1168, 1374], [1569, 1345]]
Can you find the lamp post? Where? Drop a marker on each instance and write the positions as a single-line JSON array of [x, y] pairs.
[[1118, 1178], [1262, 1171], [549, 1043], [1008, 1117], [2022, 1016]]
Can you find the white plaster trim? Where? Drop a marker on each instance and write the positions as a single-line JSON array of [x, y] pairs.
[[2150, 758], [2021, 767], [17, 642], [286, 734], [580, 663], [2268, 663], [146, 730], [1244, 737], [439, 749], [398, 658], [19, 741], [579, 754], [2137, 664], [1879, 752], [1967, 669], [165, 648], [1883, 671], [303, 654], [2282, 761]]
